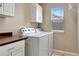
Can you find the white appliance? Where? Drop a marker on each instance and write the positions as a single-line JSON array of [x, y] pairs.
[[23, 31], [39, 43]]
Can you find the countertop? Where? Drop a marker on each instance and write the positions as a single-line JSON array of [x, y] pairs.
[[10, 39], [7, 38]]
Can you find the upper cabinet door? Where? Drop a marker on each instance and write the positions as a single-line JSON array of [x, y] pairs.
[[1, 8], [6, 9], [33, 12], [36, 13], [39, 13]]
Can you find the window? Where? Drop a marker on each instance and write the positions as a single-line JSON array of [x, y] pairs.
[[57, 18]]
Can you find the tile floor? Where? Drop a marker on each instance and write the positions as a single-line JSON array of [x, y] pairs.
[[63, 53]]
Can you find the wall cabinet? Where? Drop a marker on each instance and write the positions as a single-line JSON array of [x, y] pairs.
[[13, 49], [6, 9], [36, 13]]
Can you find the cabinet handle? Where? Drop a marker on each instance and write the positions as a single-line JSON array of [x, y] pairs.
[[27, 39], [11, 48], [10, 51]]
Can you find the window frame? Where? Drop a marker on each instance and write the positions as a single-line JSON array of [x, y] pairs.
[[61, 20]]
